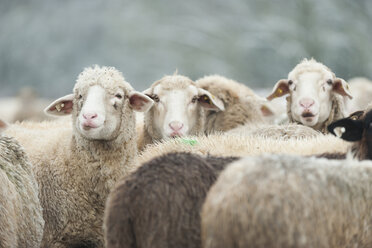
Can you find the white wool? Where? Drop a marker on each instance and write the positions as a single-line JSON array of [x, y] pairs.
[[241, 145]]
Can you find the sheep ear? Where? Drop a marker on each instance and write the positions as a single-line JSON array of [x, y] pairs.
[[209, 101], [140, 102], [356, 115], [61, 106], [347, 129], [3, 125], [265, 106], [341, 87], [281, 88], [266, 110]]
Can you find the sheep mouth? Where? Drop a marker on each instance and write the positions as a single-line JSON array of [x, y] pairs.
[[175, 134], [88, 126], [307, 115]]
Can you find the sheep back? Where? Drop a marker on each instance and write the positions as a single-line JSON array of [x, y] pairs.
[[284, 132], [288, 201], [20, 210], [243, 145], [159, 204]]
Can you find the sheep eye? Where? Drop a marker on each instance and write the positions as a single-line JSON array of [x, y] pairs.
[[118, 96], [329, 82], [194, 99], [80, 96], [205, 98], [154, 97], [290, 82]]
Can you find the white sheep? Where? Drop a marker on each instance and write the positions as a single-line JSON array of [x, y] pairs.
[[361, 88], [178, 109], [21, 220], [316, 96], [26, 105], [290, 201], [241, 104], [76, 167]]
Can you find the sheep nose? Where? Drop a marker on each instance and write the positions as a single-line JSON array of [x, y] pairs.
[[90, 116], [307, 102], [175, 125]]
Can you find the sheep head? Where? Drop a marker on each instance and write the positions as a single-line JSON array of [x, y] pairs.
[[178, 106], [311, 87], [100, 103], [356, 128]]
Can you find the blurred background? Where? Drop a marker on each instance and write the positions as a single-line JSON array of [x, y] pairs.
[[45, 44]]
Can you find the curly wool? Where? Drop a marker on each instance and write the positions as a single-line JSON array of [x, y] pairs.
[[175, 186], [243, 145], [289, 201], [75, 174], [21, 213], [283, 132]]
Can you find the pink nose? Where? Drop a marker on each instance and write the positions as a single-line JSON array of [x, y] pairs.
[[89, 116], [307, 102], [175, 125]]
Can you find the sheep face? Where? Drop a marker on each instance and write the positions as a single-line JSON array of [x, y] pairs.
[[311, 87], [99, 112], [356, 128], [177, 106], [98, 107]]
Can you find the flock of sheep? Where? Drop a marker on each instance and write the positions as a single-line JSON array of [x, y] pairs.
[[192, 164]]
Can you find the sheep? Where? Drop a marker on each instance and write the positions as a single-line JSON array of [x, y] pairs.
[[357, 128], [337, 128], [77, 165], [159, 204], [284, 132], [21, 221], [243, 145], [178, 109], [26, 105], [241, 104], [316, 97], [289, 201], [275, 110], [32, 106], [361, 89]]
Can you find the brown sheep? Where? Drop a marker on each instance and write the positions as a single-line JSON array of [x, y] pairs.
[[242, 105], [159, 204]]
